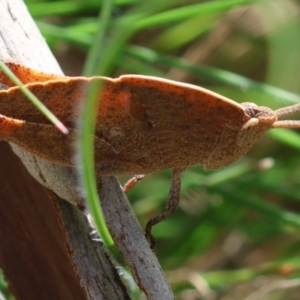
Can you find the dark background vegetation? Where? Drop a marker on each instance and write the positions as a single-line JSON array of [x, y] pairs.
[[236, 232]]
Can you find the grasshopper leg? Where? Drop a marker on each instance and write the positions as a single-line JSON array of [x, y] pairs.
[[171, 206], [132, 182]]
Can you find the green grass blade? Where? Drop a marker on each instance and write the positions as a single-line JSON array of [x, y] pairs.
[[217, 75], [87, 125], [286, 136], [185, 12]]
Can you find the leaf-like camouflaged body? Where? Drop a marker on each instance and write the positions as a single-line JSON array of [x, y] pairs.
[[144, 124]]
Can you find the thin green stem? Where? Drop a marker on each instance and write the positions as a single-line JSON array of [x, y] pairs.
[[35, 101], [87, 124]]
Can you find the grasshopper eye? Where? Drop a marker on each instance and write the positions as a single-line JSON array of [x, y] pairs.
[[250, 109]]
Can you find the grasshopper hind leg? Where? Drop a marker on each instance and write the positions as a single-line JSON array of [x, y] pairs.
[[171, 206]]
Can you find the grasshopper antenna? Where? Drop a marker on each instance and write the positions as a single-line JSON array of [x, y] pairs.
[[286, 111]]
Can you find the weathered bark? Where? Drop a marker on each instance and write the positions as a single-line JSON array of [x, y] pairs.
[[130, 239], [33, 255]]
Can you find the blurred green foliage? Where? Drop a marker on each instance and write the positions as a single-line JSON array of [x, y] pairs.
[[236, 233]]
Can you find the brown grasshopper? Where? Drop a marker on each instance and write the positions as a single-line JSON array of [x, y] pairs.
[[144, 124]]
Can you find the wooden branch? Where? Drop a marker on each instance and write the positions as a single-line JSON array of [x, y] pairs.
[[91, 261], [130, 239], [33, 255]]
